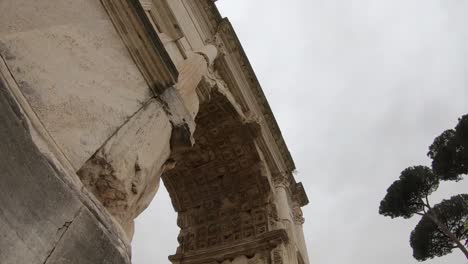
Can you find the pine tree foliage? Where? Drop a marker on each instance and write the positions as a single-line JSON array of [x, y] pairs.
[[449, 152], [427, 239], [444, 226], [405, 197]]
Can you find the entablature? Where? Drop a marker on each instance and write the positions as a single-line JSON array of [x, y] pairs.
[[143, 43]]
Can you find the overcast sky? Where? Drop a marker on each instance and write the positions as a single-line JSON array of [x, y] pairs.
[[360, 88]]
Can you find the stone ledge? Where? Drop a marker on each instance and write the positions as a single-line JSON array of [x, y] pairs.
[[266, 241]]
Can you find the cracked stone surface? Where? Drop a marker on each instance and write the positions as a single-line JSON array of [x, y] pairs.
[[85, 242], [38, 209]]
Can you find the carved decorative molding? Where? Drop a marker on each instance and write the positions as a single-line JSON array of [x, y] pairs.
[[298, 216], [277, 256], [231, 45], [299, 195], [164, 18], [223, 146], [266, 241], [143, 43], [207, 15], [219, 31], [258, 259], [273, 215], [281, 180], [219, 186]]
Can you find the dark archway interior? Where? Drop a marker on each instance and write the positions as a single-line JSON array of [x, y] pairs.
[[218, 186]]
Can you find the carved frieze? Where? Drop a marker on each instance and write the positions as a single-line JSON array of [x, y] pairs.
[[259, 247], [298, 215], [235, 61]]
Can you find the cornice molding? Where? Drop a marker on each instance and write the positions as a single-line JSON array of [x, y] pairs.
[[299, 195], [219, 31], [229, 43], [298, 216], [143, 43], [281, 180]]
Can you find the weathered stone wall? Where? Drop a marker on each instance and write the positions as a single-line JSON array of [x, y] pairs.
[[73, 69], [100, 98], [44, 218], [75, 86]]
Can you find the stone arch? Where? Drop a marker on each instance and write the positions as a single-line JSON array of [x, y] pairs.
[[220, 188], [132, 108]]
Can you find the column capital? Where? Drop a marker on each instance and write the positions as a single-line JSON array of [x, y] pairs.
[[281, 180]]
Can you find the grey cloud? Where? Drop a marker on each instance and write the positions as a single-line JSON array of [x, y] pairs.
[[360, 89]]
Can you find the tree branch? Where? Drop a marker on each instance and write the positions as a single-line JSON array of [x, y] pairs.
[[443, 228], [423, 203], [427, 201]]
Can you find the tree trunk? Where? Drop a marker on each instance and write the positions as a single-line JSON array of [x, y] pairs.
[[447, 232]]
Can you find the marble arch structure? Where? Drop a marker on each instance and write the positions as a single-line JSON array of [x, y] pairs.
[[101, 99]]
